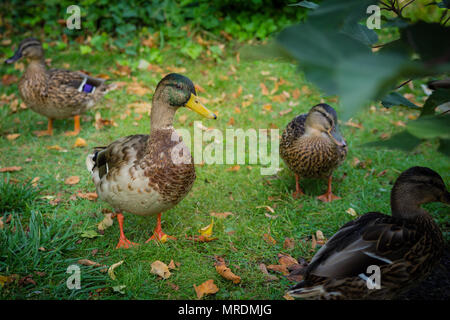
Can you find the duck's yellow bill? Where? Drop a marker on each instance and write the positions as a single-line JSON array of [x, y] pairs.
[[196, 106]]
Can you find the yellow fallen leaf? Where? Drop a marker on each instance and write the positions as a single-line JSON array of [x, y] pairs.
[[111, 269], [268, 238], [351, 212], [288, 297], [55, 147], [79, 142], [161, 269], [207, 287], [221, 214], [207, 231], [106, 222]]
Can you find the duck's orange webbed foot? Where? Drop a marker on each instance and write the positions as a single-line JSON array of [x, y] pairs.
[[76, 127], [158, 234], [48, 132], [123, 241], [328, 196]]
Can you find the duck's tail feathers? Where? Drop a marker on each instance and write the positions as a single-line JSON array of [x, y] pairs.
[[301, 290]]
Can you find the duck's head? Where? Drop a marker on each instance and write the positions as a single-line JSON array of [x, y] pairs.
[[322, 120], [414, 187], [176, 90], [30, 48]]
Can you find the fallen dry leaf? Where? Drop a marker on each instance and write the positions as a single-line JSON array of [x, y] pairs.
[[234, 168], [279, 268], [264, 89], [8, 79], [55, 147], [226, 272], [289, 243], [351, 212], [100, 122], [106, 222], [12, 136], [87, 262], [287, 260], [10, 169], [112, 268], [161, 269], [221, 214], [207, 287], [353, 124], [269, 276], [79, 142], [89, 195], [72, 180], [171, 265], [320, 238], [207, 231], [268, 238]]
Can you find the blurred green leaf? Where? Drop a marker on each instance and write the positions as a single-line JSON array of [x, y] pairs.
[[396, 99], [403, 141], [429, 127], [438, 97]]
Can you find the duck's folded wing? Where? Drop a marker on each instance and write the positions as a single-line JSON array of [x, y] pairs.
[[118, 153], [73, 79], [373, 239]]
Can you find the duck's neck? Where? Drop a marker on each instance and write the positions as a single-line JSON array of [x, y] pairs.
[[161, 116], [36, 67], [404, 206]]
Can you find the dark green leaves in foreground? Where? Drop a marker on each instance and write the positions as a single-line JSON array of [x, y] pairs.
[[333, 48]]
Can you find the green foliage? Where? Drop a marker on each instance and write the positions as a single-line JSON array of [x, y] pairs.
[[334, 49]]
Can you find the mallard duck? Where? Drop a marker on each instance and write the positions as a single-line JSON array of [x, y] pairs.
[[56, 93], [312, 147], [149, 174], [405, 246]]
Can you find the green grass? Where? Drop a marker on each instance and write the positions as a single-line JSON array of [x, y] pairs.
[[57, 228]]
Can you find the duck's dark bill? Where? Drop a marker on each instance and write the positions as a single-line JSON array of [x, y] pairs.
[[196, 106], [17, 55]]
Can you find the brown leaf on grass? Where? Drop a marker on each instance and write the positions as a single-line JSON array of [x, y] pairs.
[[161, 269], [10, 169], [8, 79], [224, 271], [351, 212], [12, 136], [142, 108], [138, 89], [279, 98], [173, 286], [56, 147], [264, 89], [268, 238], [350, 123], [295, 94], [79, 142], [121, 70], [313, 243], [2, 224], [88, 195], [87, 262], [285, 112], [267, 107], [176, 69], [207, 287], [100, 122], [279, 268], [72, 180], [34, 182], [171, 265], [269, 276], [238, 93], [286, 259], [385, 136], [231, 121], [234, 168], [289, 243], [399, 123], [221, 214], [27, 280]]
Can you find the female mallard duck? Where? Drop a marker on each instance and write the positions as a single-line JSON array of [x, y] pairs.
[[55, 93], [148, 174], [405, 246], [312, 147]]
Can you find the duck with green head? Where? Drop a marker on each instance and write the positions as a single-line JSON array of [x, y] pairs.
[[55, 93], [149, 174]]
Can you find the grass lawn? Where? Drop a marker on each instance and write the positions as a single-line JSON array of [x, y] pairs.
[[43, 237]]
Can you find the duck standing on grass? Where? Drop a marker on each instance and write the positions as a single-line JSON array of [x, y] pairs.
[[56, 93], [145, 174], [405, 246], [312, 147]]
